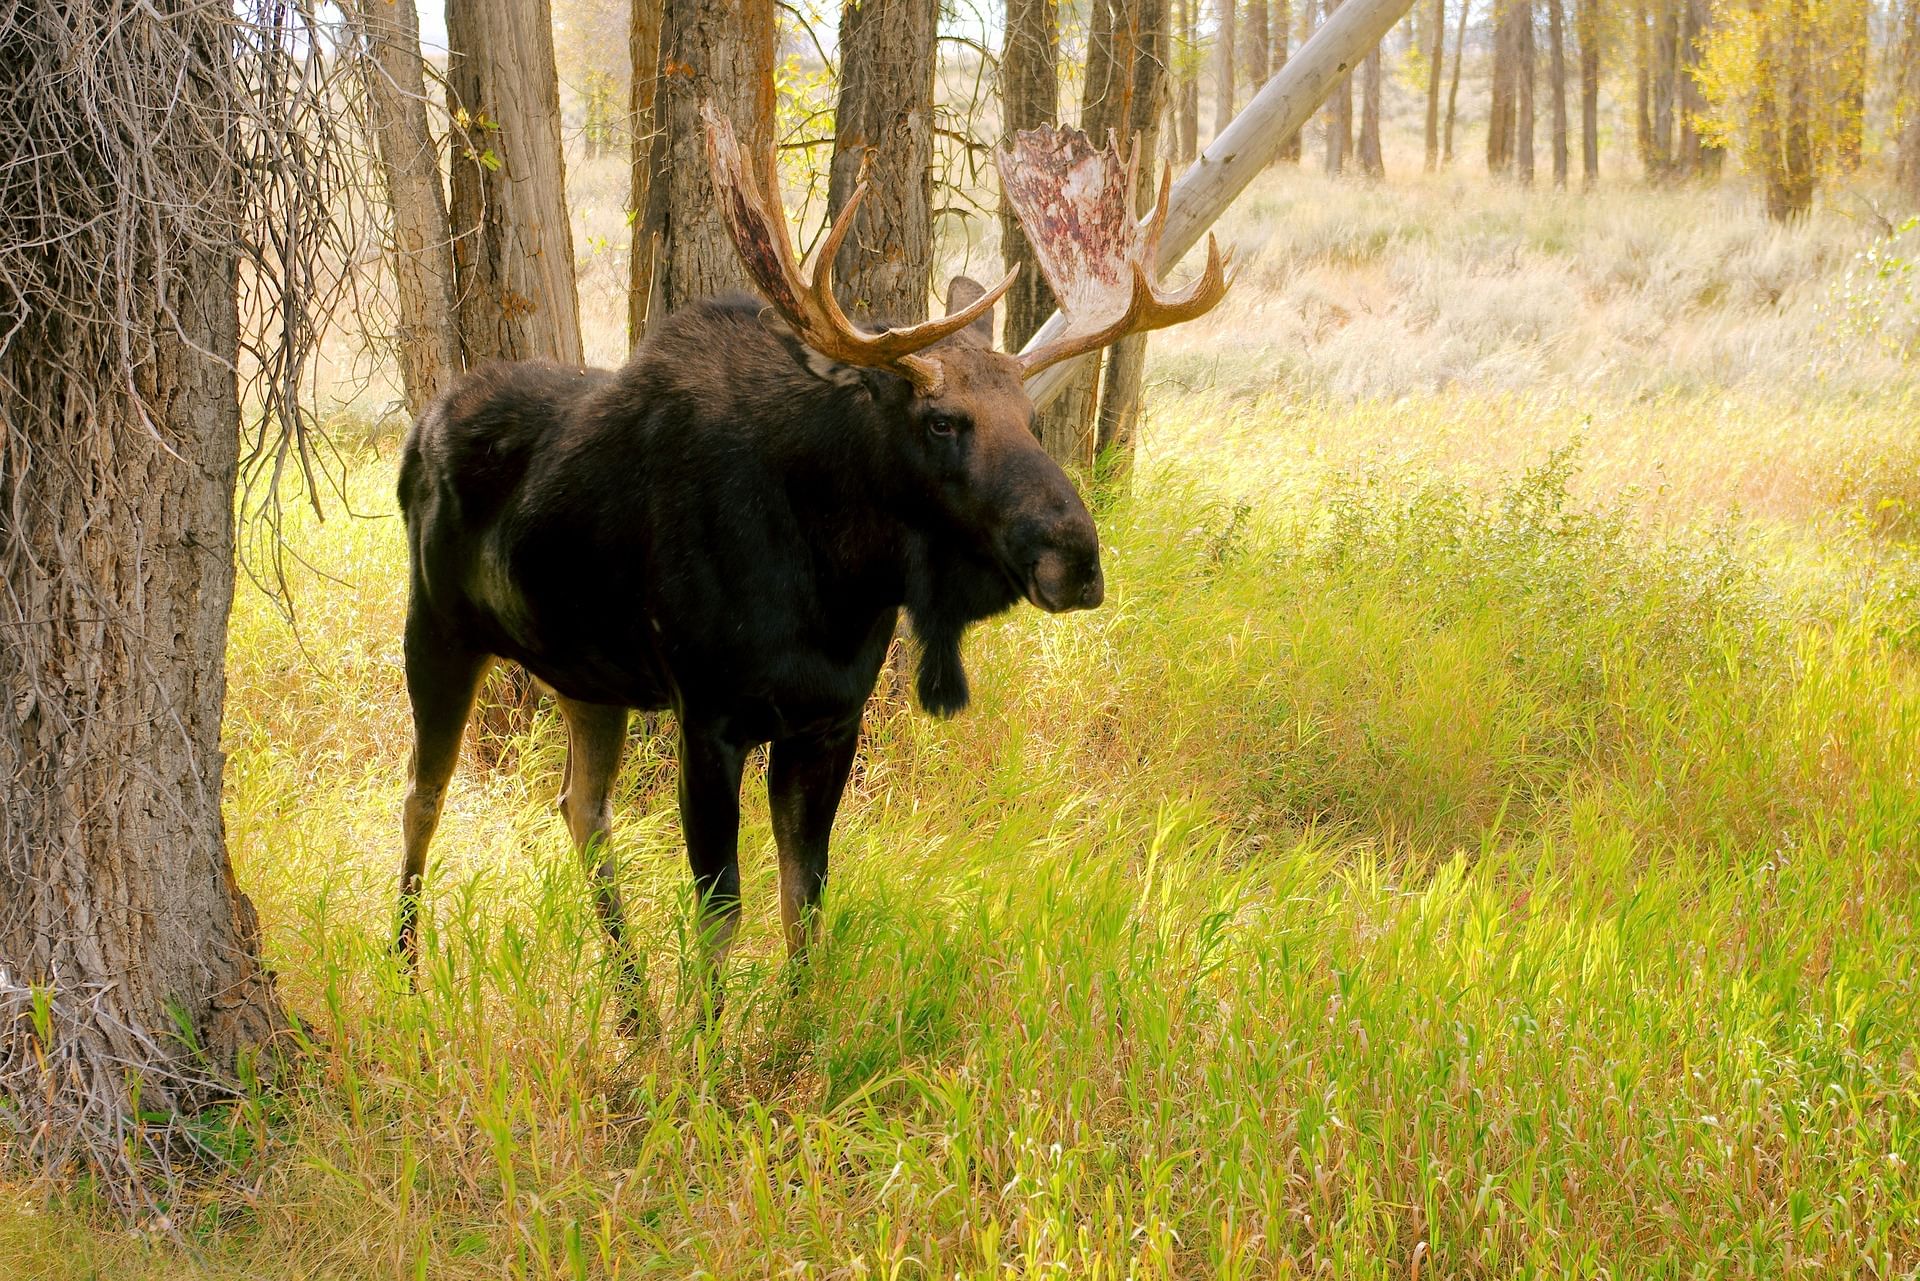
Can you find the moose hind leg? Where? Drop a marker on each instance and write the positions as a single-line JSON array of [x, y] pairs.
[[805, 779], [596, 740], [441, 679]]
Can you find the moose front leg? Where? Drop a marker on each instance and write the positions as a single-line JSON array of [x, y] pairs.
[[805, 779], [710, 768]]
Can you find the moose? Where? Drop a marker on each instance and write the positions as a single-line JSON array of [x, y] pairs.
[[730, 525]]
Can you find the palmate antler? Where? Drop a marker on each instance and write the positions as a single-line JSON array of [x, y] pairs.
[[1076, 205], [805, 299]]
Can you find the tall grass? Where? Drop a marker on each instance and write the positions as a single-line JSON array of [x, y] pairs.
[[1413, 868]]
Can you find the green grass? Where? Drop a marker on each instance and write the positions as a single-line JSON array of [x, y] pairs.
[[1470, 870]]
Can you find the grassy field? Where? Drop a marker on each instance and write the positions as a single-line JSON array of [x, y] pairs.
[[1477, 837]]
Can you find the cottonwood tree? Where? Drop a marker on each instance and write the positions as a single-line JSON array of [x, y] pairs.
[[883, 125], [1188, 66], [513, 243], [718, 50], [1339, 112], [165, 205], [1907, 161], [643, 57], [1280, 23], [1587, 24], [1029, 97], [1774, 88], [1372, 163], [1223, 85], [1453, 86], [1436, 62], [426, 339]]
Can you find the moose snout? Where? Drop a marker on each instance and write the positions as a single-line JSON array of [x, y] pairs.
[[1063, 579]]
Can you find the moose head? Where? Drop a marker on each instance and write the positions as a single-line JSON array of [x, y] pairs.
[[966, 417]]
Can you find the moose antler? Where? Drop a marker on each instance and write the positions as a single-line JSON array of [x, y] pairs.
[[805, 300], [1076, 205]]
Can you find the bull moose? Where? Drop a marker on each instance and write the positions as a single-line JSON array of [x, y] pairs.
[[729, 525]]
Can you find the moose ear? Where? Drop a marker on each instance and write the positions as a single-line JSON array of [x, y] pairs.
[[824, 368], [963, 292]]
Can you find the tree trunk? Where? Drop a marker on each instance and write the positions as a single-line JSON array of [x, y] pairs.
[[1523, 71], [1122, 387], [1436, 60], [709, 49], [1666, 66], [513, 244], [1557, 73], [1223, 87], [1700, 156], [1372, 163], [1256, 40], [1907, 167], [1280, 22], [1189, 81], [1502, 100], [1589, 23], [1453, 88], [1339, 113], [1642, 89], [1029, 97], [130, 978], [426, 341], [885, 112], [643, 54], [1850, 106], [1791, 195]]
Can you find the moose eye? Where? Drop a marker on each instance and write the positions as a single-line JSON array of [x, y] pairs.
[[942, 426]]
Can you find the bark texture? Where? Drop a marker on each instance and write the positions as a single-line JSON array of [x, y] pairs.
[[885, 118], [1339, 114], [513, 244], [119, 438], [1372, 163], [1589, 25], [1907, 163], [1436, 60], [1557, 86], [426, 340], [709, 49], [1453, 86], [1029, 97], [643, 53], [1223, 64], [1280, 23]]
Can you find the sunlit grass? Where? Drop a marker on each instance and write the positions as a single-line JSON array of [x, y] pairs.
[[1447, 845]]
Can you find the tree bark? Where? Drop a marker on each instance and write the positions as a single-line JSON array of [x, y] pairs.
[[1643, 89], [1557, 86], [1700, 157], [643, 54], [1589, 24], [1372, 163], [1339, 113], [1223, 86], [709, 49], [1123, 385], [1524, 77], [1189, 81], [513, 244], [1281, 24], [1256, 39], [1665, 41], [1453, 88], [1502, 98], [1436, 61], [1029, 97], [426, 340], [1907, 163], [130, 977], [885, 112]]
